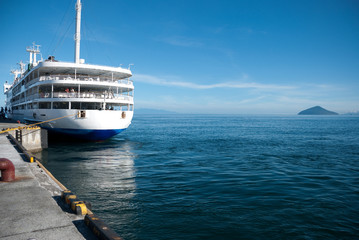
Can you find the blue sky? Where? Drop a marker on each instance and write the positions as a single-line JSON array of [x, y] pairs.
[[196, 56]]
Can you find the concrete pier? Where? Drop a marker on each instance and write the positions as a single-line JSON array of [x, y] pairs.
[[30, 206], [33, 139]]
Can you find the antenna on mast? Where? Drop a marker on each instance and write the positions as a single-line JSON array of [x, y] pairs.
[[16, 73], [33, 50], [77, 31], [22, 66]]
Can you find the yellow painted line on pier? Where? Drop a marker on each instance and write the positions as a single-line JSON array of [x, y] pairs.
[[51, 176]]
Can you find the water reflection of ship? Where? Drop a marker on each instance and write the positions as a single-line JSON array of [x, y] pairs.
[[111, 169], [114, 167], [110, 183]]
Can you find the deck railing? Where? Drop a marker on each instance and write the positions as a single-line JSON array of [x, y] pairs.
[[93, 95], [80, 78]]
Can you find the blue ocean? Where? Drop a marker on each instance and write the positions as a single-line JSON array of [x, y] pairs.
[[220, 177]]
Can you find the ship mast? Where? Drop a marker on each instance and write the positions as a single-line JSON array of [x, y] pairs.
[[77, 31], [33, 50]]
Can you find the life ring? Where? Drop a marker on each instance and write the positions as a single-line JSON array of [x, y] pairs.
[[123, 115]]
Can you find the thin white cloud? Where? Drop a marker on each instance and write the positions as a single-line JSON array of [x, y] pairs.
[[257, 100], [180, 41], [163, 82]]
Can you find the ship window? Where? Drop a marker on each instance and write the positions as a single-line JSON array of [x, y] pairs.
[[90, 106], [75, 105], [45, 105], [109, 107], [61, 105]]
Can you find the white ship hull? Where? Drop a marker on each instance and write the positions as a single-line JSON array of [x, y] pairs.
[[95, 126]]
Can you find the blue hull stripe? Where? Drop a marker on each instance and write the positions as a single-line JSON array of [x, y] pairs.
[[85, 134]]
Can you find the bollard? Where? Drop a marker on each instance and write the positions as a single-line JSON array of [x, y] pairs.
[[7, 170], [64, 194], [79, 207], [68, 198]]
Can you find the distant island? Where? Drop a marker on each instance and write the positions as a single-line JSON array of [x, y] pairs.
[[317, 110]]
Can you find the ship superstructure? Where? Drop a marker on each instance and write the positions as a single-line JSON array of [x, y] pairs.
[[73, 99]]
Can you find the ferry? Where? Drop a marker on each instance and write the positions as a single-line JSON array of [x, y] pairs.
[[71, 99]]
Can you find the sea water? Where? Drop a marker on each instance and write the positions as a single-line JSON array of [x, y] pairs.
[[220, 177]]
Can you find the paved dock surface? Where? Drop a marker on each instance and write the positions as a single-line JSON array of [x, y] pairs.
[[5, 123], [30, 207]]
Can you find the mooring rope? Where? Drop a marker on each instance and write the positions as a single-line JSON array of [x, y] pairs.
[[34, 124]]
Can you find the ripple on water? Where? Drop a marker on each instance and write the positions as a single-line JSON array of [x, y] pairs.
[[221, 177]]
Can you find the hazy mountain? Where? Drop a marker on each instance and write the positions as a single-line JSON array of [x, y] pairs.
[[352, 113], [152, 111], [317, 110]]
